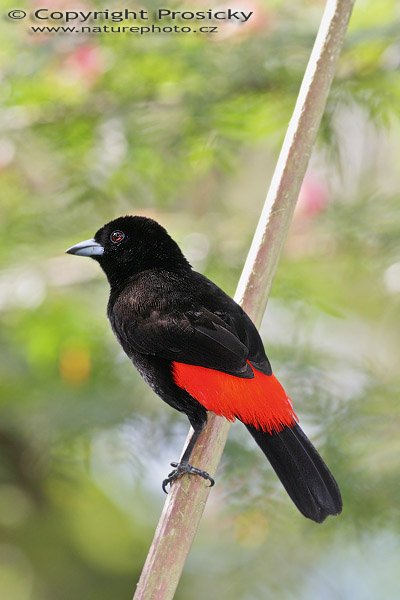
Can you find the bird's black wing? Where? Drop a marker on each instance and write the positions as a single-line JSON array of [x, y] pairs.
[[249, 335], [235, 318], [196, 337]]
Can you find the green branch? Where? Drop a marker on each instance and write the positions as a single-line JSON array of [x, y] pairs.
[[185, 504]]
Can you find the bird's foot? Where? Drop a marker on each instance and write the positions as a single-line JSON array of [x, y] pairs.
[[182, 468]]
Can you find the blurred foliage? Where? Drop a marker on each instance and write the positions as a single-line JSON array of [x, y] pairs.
[[186, 129]]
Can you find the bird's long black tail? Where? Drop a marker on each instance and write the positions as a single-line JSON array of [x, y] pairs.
[[301, 470]]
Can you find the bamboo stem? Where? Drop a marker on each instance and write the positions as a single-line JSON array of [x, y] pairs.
[[185, 504]]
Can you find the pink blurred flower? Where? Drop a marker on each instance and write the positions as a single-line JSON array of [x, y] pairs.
[[84, 64], [313, 197], [305, 239]]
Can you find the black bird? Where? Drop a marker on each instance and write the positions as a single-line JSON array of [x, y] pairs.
[[200, 352]]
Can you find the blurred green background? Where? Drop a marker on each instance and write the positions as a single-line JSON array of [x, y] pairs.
[[187, 129]]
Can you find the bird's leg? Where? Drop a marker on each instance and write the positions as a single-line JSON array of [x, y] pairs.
[[184, 467]]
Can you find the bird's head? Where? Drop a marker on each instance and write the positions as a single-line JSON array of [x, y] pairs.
[[129, 245]]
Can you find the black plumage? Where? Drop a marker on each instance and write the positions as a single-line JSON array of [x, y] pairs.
[[164, 313]]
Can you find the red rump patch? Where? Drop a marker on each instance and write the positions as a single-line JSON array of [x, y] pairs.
[[261, 401]]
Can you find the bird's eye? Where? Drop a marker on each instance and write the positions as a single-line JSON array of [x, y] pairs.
[[117, 236]]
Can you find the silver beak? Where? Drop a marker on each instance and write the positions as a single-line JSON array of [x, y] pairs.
[[86, 248]]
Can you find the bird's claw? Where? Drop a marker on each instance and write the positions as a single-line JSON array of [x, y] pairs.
[[182, 468]]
